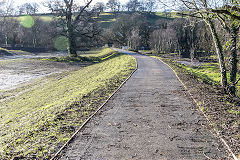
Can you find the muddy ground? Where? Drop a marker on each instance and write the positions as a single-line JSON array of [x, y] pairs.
[[17, 70], [18, 73]]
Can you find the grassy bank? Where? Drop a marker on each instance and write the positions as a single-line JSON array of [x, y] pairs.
[[89, 56], [35, 123], [207, 73], [6, 52]]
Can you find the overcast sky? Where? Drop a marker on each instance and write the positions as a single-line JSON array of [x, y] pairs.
[[20, 2]]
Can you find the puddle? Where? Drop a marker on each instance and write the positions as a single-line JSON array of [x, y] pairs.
[[22, 69], [195, 64]]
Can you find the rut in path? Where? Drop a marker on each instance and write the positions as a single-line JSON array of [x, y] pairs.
[[150, 117]]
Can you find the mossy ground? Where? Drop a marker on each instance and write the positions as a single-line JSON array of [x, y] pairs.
[[38, 120]]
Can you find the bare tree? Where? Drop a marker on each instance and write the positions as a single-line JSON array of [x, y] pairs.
[[133, 5], [119, 30], [134, 39], [150, 5], [99, 7], [210, 11], [231, 24], [113, 5], [76, 21], [228, 11], [28, 8], [6, 10], [164, 40], [129, 30], [199, 9]]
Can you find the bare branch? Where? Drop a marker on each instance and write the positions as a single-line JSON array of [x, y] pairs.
[[237, 81], [223, 11], [234, 8], [223, 23], [81, 11]]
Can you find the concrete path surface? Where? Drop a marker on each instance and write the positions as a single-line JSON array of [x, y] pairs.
[[150, 118]]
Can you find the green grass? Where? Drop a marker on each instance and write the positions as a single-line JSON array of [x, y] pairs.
[[103, 53], [106, 19], [4, 52], [20, 52], [17, 52], [164, 15], [43, 117], [46, 18], [146, 51], [88, 56], [208, 73], [106, 14]]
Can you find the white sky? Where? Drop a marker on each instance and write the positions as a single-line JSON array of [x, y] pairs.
[[20, 2]]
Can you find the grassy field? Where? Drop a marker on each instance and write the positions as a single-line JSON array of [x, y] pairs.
[[38, 120], [105, 19]]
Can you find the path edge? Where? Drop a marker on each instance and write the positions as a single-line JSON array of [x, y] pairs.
[[209, 121], [55, 156]]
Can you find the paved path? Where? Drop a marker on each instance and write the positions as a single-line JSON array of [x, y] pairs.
[[151, 117]]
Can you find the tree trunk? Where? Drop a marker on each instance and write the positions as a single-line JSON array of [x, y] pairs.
[[6, 40], [193, 54], [71, 43], [70, 35], [14, 40], [219, 52], [233, 59]]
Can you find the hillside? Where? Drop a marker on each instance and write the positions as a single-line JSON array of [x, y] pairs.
[[105, 19]]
